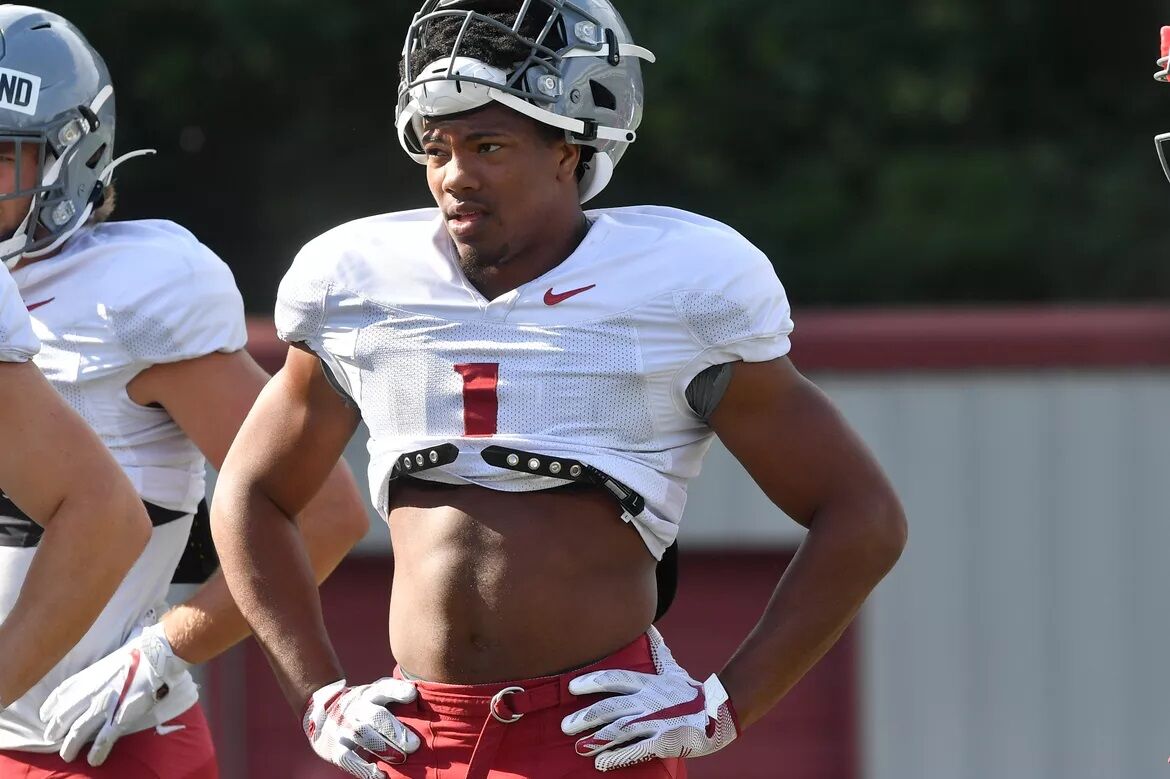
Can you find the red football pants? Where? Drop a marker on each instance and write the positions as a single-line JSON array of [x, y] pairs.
[[462, 740], [180, 754]]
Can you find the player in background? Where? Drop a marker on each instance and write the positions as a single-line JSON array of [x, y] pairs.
[[1163, 75], [92, 525], [142, 332], [539, 382]]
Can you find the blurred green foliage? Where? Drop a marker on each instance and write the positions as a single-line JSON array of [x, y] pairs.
[[911, 151]]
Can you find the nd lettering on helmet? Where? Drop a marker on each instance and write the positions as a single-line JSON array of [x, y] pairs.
[[19, 92], [582, 74], [55, 92]]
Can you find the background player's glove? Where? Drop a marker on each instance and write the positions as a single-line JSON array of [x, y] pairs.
[[667, 714], [351, 727], [111, 697]]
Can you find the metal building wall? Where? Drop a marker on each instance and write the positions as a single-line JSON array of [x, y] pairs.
[[1024, 633]]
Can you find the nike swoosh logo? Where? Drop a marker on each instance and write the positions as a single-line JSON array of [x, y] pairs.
[[166, 730], [586, 746], [552, 298], [34, 306], [696, 705], [135, 659], [391, 755]]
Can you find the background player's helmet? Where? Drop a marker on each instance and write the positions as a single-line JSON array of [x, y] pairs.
[[55, 92], [1163, 74], [581, 73]]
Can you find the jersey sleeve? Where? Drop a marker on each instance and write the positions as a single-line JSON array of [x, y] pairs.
[[306, 296], [301, 299], [17, 342], [746, 317], [182, 305]]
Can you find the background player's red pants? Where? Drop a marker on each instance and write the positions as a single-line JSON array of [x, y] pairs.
[[461, 740], [180, 754]]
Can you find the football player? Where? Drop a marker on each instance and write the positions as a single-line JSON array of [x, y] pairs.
[[1163, 74], [540, 382], [142, 333], [90, 525]]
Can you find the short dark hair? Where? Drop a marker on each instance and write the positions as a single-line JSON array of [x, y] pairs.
[[484, 42], [105, 207], [488, 43]]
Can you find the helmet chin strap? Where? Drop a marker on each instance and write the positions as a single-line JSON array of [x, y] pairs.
[[413, 113], [107, 174], [576, 126]]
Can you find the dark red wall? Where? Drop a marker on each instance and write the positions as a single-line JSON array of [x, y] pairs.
[[812, 734]]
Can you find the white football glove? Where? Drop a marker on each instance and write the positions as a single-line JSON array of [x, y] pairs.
[[662, 715], [351, 727], [111, 697]]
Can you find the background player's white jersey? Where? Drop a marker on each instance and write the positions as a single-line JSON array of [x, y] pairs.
[[590, 361], [17, 342], [119, 298]]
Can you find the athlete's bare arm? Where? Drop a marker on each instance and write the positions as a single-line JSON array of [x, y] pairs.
[[284, 452], [801, 452], [209, 397], [57, 471]]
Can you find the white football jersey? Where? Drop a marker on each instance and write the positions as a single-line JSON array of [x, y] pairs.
[[589, 362], [17, 342], [118, 299]]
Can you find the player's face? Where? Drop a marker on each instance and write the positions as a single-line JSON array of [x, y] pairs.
[[16, 177], [497, 179]]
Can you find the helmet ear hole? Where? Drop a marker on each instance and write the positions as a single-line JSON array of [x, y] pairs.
[[93, 161], [602, 97], [587, 154]]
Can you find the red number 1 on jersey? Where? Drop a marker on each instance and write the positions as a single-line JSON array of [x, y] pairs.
[[481, 404]]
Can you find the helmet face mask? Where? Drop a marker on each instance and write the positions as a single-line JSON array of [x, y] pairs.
[[1160, 142], [68, 156], [16, 144], [16, 186], [576, 69]]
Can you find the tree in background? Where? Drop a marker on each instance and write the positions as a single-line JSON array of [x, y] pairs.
[[905, 152]]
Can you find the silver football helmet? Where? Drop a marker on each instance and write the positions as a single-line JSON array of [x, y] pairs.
[[1163, 74], [582, 74], [55, 92]]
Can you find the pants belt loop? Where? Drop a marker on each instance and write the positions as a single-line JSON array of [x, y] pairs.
[[506, 708], [491, 735]]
